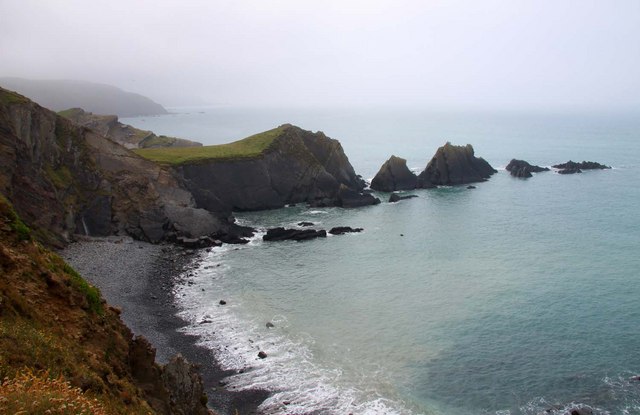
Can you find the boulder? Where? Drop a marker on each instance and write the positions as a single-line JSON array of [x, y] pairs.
[[305, 224], [454, 165], [282, 234], [349, 198], [339, 230], [395, 197], [394, 175], [522, 169]]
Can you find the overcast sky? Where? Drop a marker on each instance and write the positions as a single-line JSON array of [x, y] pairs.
[[483, 54]]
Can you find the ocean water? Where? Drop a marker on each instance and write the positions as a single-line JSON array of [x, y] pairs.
[[517, 297]]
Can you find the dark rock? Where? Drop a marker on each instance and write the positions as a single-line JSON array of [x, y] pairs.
[[522, 169], [339, 230], [471, 187], [394, 175], [222, 302], [304, 224], [349, 198], [584, 410], [282, 234], [270, 325], [262, 355], [571, 170], [395, 197], [453, 165], [184, 383], [584, 165]]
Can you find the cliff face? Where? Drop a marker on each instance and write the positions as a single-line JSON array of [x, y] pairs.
[[56, 332], [297, 166], [67, 179], [452, 165], [123, 134]]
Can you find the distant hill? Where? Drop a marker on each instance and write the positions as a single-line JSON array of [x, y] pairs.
[[60, 95]]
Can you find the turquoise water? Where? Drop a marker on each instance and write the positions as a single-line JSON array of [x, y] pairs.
[[515, 297]]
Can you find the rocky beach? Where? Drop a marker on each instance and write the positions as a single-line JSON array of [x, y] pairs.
[[137, 277]]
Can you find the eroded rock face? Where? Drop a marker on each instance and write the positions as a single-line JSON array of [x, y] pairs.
[[394, 175], [299, 166], [67, 179], [454, 165], [521, 168]]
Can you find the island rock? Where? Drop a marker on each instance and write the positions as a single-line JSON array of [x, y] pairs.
[[395, 197], [522, 169], [454, 165], [282, 234], [571, 167], [394, 175]]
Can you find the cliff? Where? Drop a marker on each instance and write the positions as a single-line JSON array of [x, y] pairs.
[[62, 346], [268, 170], [123, 134], [58, 95], [454, 165], [66, 179]]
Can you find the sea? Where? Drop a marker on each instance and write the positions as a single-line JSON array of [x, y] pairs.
[[521, 296]]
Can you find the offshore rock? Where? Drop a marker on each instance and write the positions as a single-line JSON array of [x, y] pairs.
[[394, 175], [395, 197], [282, 234], [454, 165], [521, 168], [339, 230], [349, 198], [571, 167]]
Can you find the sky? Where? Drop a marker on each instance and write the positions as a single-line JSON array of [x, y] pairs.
[[510, 54]]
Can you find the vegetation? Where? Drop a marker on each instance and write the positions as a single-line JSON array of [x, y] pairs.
[[153, 140], [9, 97], [61, 351], [248, 148], [31, 393]]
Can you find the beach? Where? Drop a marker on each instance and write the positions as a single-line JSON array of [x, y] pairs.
[[138, 277]]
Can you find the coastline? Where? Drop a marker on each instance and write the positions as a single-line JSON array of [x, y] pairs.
[[148, 309]]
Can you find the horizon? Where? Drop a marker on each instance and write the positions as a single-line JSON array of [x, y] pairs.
[[460, 55]]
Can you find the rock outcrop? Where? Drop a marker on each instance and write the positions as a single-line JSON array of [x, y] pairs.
[[282, 234], [123, 134], [394, 175], [522, 169], [67, 179], [395, 197], [571, 167], [297, 166], [454, 165], [339, 230]]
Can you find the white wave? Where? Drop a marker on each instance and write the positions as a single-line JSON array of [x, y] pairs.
[[299, 384]]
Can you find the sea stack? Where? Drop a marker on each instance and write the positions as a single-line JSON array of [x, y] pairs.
[[453, 165], [394, 175], [522, 169]]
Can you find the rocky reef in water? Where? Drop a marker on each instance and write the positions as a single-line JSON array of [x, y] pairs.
[[571, 167], [126, 135], [522, 169]]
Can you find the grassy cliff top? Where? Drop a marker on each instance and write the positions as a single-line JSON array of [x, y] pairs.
[[10, 97], [247, 148]]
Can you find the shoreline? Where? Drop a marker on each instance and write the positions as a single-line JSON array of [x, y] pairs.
[[148, 309]]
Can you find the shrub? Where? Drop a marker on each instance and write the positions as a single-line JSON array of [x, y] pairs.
[[31, 393]]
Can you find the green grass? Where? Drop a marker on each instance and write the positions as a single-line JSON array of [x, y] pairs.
[[155, 140], [9, 97], [70, 113], [248, 148], [91, 293]]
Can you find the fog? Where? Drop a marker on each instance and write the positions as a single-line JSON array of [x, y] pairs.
[[441, 54]]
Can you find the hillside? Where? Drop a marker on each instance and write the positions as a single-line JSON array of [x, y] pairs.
[[123, 134], [64, 350], [58, 95]]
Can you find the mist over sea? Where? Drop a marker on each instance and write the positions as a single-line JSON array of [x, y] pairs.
[[516, 297]]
